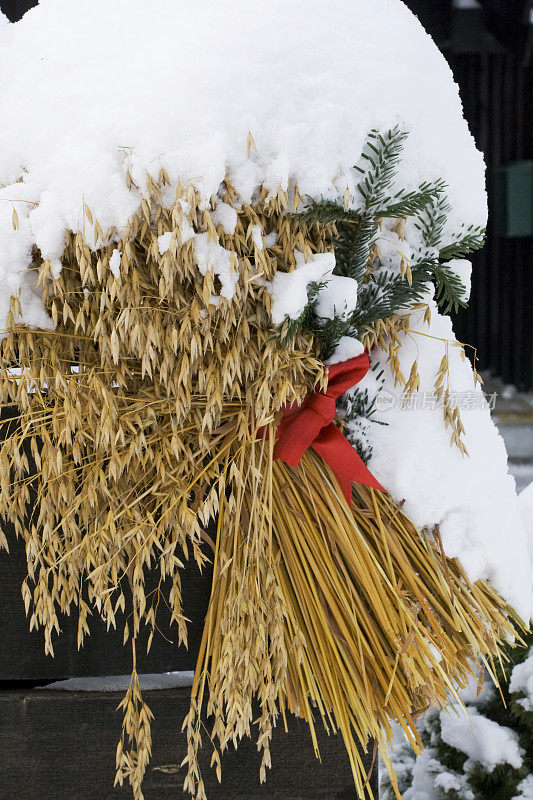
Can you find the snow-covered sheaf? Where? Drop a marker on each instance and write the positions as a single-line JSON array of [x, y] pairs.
[[287, 94], [471, 498]]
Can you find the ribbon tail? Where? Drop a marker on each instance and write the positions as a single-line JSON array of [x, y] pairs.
[[340, 456]]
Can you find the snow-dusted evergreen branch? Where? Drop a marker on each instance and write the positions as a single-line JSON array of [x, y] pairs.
[[471, 239], [381, 293]]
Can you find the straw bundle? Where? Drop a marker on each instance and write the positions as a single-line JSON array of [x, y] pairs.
[[145, 414]]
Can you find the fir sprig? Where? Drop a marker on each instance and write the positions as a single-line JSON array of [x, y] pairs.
[[431, 222], [450, 292], [469, 240], [382, 153], [327, 212], [406, 204], [383, 293]]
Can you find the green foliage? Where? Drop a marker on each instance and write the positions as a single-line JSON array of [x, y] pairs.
[[450, 290], [328, 211], [502, 783], [358, 409], [387, 293], [383, 153], [450, 777], [472, 238], [431, 222], [435, 256], [383, 293], [406, 204]]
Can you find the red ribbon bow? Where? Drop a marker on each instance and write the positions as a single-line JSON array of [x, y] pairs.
[[311, 425]]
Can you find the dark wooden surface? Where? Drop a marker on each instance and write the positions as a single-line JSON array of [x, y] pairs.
[[61, 746], [22, 653]]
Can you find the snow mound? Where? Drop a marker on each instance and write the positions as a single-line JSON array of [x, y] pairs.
[[276, 94]]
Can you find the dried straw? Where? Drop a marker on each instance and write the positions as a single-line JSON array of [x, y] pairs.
[[136, 421]]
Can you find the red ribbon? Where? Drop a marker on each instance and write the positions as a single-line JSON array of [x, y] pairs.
[[311, 425]]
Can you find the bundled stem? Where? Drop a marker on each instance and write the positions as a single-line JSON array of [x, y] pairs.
[[366, 620]]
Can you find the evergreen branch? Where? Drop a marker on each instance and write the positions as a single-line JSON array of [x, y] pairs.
[[406, 204], [450, 291], [330, 332], [327, 212], [472, 239], [383, 293], [360, 250], [383, 153], [432, 221], [386, 293]]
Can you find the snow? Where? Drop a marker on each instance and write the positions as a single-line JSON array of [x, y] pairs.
[[525, 789], [257, 237], [454, 782], [225, 215], [120, 683], [472, 498], [393, 251], [526, 509], [422, 787], [337, 298], [211, 256], [475, 695], [163, 242], [347, 348], [286, 95], [270, 239], [114, 263], [289, 290], [522, 682], [186, 231], [481, 739]]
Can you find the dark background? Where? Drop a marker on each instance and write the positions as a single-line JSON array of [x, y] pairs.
[[490, 50]]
